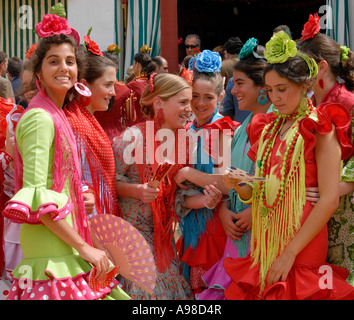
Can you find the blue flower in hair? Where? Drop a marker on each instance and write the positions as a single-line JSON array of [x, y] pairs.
[[191, 63], [207, 61], [248, 48]]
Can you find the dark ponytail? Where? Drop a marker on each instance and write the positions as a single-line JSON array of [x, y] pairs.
[[147, 64]]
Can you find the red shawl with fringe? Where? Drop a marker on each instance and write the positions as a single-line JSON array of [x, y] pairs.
[[94, 142], [163, 208]]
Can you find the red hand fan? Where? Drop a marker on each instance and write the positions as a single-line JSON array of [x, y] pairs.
[[161, 171], [128, 248], [97, 285]]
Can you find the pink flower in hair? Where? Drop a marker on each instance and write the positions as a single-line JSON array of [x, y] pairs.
[[52, 24]]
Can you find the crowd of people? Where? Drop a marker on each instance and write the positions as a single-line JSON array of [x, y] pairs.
[[258, 199]]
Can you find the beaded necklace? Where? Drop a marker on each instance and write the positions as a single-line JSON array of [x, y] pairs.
[[274, 131]]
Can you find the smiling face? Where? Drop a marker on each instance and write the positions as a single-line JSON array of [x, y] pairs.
[[102, 90], [284, 94], [176, 110], [245, 91], [204, 101], [59, 71]]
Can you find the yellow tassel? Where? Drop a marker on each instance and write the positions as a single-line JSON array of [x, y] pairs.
[[271, 233]]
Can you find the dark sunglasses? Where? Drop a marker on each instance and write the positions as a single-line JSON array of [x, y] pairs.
[[192, 46]]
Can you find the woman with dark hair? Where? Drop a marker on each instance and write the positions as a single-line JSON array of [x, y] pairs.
[[335, 84], [95, 150], [335, 79], [143, 67], [48, 202], [297, 148]]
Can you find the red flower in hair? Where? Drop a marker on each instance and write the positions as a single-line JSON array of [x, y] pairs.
[[311, 27], [31, 51], [52, 24], [92, 46]]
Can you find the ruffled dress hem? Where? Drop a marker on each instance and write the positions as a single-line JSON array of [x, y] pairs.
[[76, 288], [303, 283]]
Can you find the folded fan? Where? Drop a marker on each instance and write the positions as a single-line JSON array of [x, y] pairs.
[[243, 176], [162, 169], [128, 248]]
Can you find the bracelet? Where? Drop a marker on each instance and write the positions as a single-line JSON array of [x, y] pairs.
[[245, 201]]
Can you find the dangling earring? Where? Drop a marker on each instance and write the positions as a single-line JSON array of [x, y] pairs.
[[85, 101], [39, 86], [160, 119], [321, 83], [275, 111], [303, 104], [262, 98], [85, 93]]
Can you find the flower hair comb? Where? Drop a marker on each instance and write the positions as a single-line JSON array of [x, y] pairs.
[[311, 27], [151, 81], [91, 45], [55, 23]]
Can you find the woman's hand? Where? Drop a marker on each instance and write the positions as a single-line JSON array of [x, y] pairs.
[[212, 196], [280, 268], [244, 219], [89, 200], [230, 182], [313, 195], [227, 218], [180, 177], [147, 194], [97, 257]]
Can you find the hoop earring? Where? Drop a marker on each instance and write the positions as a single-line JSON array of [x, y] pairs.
[[262, 98], [84, 91]]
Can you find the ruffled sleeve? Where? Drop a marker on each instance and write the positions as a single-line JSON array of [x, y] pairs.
[[254, 131], [35, 141], [328, 115]]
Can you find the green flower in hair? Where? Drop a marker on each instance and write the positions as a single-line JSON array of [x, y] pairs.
[[248, 48], [280, 48], [344, 53]]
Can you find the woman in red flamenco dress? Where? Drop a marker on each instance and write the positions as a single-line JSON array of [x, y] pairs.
[[293, 148]]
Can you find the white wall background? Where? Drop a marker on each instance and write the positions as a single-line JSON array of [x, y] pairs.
[[98, 14]]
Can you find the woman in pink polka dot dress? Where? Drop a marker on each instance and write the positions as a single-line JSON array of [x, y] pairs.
[[48, 202]]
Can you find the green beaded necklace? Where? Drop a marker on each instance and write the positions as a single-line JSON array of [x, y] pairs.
[[274, 131]]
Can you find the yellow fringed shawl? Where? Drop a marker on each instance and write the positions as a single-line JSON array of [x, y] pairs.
[[272, 232]]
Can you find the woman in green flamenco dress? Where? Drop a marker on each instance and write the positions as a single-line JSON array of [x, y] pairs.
[[48, 201]]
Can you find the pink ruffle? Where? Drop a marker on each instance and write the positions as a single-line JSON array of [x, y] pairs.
[[302, 283], [58, 289], [328, 115], [19, 212]]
